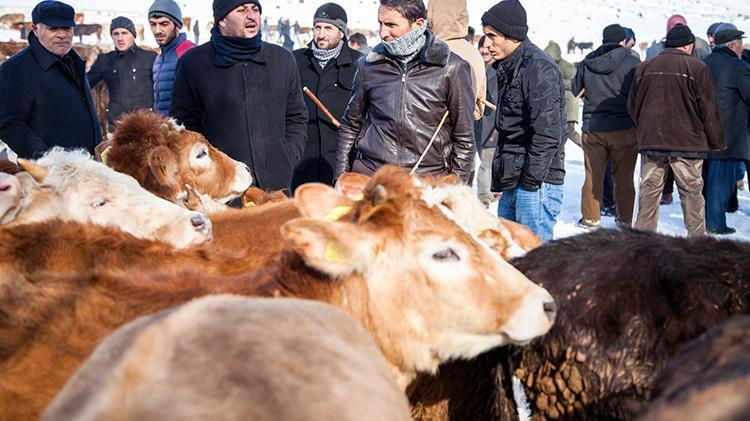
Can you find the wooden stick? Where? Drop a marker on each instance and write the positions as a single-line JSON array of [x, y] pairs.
[[488, 104], [321, 106], [581, 94], [429, 145]]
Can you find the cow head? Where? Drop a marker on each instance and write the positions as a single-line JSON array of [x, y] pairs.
[[73, 187], [10, 197], [169, 160], [434, 291]]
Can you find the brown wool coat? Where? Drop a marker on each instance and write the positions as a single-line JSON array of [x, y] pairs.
[[673, 103]]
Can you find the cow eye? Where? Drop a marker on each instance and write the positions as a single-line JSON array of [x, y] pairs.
[[99, 203], [447, 255]]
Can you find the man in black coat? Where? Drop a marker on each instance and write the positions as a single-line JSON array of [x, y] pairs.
[[327, 69], [244, 95], [45, 99], [528, 167], [608, 132], [732, 79], [127, 72]]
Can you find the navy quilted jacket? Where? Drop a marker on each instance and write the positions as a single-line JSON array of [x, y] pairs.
[[165, 69]]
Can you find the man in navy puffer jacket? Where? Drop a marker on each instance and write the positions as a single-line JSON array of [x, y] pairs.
[[165, 18]]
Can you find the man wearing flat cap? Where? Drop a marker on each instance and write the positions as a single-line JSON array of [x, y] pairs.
[[127, 72], [673, 103], [608, 131], [244, 95], [165, 19], [732, 79], [45, 99], [327, 68]]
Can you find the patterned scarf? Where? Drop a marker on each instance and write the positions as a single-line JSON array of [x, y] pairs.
[[324, 56], [407, 47]]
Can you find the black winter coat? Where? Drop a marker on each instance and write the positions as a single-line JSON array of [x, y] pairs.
[[531, 122], [732, 81], [43, 105], [332, 86], [393, 112], [128, 76], [484, 128], [252, 110], [606, 74]]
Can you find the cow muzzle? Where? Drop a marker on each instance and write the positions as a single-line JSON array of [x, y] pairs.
[[10, 194], [533, 318]]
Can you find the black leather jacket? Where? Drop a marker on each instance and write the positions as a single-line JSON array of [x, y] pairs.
[[393, 112]]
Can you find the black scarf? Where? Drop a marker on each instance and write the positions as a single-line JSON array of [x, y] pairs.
[[230, 50]]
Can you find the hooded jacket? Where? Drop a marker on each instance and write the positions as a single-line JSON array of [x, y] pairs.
[[568, 73], [606, 74], [449, 21]]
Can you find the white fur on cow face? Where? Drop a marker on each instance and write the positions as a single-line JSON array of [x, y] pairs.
[[10, 197], [82, 190], [200, 160]]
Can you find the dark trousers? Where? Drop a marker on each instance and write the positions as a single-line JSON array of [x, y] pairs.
[[720, 178], [609, 190]]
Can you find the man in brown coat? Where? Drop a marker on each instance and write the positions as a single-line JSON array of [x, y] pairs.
[[673, 103]]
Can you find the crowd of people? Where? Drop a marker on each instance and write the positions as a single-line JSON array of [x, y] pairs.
[[425, 98]]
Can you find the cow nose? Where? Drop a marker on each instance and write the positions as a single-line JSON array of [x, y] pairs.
[[201, 223], [550, 309], [246, 168], [9, 186]]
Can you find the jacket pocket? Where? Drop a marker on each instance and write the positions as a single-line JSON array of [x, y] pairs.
[[508, 167]]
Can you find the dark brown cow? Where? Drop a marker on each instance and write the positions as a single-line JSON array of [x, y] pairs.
[[425, 290], [227, 357], [165, 158], [628, 301], [88, 29], [709, 380]]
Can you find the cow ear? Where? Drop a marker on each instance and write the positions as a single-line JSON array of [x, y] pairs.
[[352, 185], [163, 165], [522, 235], [334, 248], [321, 202]]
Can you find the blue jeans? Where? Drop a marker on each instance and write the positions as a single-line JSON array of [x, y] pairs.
[[720, 181], [536, 209]]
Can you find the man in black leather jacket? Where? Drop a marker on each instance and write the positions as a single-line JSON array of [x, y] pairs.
[[401, 91]]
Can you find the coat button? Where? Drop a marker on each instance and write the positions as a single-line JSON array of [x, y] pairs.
[[114, 71], [133, 70]]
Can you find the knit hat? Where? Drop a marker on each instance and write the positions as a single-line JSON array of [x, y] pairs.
[[727, 32], [122, 22], [223, 7], [331, 13], [712, 29], [679, 36], [613, 34], [167, 8], [509, 18], [675, 20], [54, 13], [629, 34]]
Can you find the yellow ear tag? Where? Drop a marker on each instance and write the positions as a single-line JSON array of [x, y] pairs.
[[335, 253], [249, 204], [337, 213], [105, 155], [358, 198]]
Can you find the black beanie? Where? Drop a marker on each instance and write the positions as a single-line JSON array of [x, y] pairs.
[[613, 34], [223, 7], [509, 18], [331, 13], [124, 23], [679, 36]]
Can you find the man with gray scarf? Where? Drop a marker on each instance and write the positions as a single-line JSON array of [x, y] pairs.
[[327, 69], [402, 90]]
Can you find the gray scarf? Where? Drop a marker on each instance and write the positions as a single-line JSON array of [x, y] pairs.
[[407, 47], [324, 56]]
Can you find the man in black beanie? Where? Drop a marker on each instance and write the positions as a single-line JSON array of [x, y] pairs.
[[531, 123], [244, 95], [327, 69], [608, 132], [127, 72], [673, 103]]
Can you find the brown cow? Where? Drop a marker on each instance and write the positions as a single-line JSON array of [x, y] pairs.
[[71, 186], [425, 289], [226, 357], [709, 379], [165, 158]]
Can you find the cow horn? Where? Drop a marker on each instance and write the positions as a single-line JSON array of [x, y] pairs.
[[35, 170], [381, 194]]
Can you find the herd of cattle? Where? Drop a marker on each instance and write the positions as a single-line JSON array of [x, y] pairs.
[[130, 291]]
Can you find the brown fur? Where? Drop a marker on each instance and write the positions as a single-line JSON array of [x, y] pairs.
[[227, 357], [145, 142]]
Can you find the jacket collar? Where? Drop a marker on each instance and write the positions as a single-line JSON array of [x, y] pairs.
[[47, 59], [344, 57], [174, 43], [725, 51], [435, 53], [674, 51]]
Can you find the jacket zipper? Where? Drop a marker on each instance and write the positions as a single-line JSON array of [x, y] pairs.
[[402, 117]]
